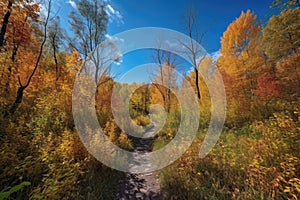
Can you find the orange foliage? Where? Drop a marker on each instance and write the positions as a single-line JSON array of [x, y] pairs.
[[268, 87]]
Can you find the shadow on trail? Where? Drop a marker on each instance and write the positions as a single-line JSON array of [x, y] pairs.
[[140, 186]]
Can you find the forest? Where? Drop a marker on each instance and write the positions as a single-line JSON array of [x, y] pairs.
[[42, 155]]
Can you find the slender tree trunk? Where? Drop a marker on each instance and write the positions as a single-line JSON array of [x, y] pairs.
[[56, 65], [5, 22], [10, 67], [18, 99], [168, 100], [197, 83]]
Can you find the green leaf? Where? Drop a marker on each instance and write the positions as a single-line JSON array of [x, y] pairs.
[[4, 195]]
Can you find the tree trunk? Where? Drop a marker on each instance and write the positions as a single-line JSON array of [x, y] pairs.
[[18, 99], [10, 67], [168, 100], [197, 83], [5, 22]]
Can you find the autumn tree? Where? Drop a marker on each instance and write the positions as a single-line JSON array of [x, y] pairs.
[[240, 61], [55, 40], [18, 33], [89, 27], [164, 82], [206, 69], [103, 101], [192, 49], [284, 5], [140, 101], [5, 21], [281, 35], [281, 42], [13, 8], [164, 78], [23, 86], [288, 72]]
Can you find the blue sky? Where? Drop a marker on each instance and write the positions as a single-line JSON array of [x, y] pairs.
[[213, 18]]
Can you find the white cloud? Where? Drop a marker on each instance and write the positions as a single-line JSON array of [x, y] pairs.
[[73, 4], [112, 38], [43, 11], [113, 14], [110, 8]]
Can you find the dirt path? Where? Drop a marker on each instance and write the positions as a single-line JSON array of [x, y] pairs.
[[141, 186]]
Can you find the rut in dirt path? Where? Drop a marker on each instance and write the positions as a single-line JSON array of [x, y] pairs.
[[140, 186]]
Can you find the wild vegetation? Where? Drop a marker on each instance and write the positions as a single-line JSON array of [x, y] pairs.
[[42, 156], [257, 156]]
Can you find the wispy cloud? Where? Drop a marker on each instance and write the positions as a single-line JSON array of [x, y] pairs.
[[113, 14], [174, 45], [110, 8], [73, 4]]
